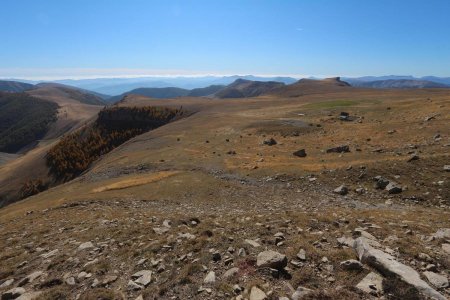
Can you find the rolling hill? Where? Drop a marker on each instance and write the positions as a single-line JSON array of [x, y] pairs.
[[169, 92], [312, 86], [242, 88], [14, 86]]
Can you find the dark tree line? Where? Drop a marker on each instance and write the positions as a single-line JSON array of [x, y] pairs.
[[23, 120], [114, 126]]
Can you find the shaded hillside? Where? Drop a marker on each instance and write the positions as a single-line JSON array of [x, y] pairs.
[[75, 152], [160, 93], [169, 92], [398, 84], [206, 91], [23, 120], [14, 86], [312, 86], [242, 88], [80, 95]]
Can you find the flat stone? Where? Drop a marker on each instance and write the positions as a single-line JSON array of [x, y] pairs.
[[443, 233], [13, 293], [230, 273], [371, 284], [339, 149], [346, 241], [271, 259], [446, 248], [134, 286], [30, 278], [70, 281], [210, 278], [109, 279], [49, 254], [6, 283], [387, 265], [252, 243], [393, 188], [301, 254], [439, 281], [85, 246], [143, 277], [300, 293], [341, 190], [257, 294], [29, 296]]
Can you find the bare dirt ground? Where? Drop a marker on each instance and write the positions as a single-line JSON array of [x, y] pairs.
[[196, 203]]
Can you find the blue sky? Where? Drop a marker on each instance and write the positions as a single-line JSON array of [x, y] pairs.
[[89, 38]]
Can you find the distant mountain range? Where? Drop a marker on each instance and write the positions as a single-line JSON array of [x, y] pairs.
[[398, 84], [110, 90], [117, 86]]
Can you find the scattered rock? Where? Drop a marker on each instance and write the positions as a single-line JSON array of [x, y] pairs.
[[6, 283], [252, 243], [29, 296], [339, 149], [230, 273], [270, 142], [85, 246], [300, 293], [301, 254], [108, 279], [393, 188], [380, 182], [210, 278], [386, 264], [300, 153], [49, 254], [351, 265], [371, 284], [446, 248], [439, 281], [413, 157], [30, 278], [442, 233], [70, 281], [341, 190], [13, 293], [271, 259], [143, 277], [447, 168], [257, 294]]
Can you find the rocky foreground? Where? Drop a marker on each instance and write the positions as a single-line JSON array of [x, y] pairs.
[[123, 250]]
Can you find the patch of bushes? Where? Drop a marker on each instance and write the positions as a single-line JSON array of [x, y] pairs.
[[32, 187]]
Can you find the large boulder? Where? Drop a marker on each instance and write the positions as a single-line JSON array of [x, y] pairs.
[[271, 259], [389, 267]]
